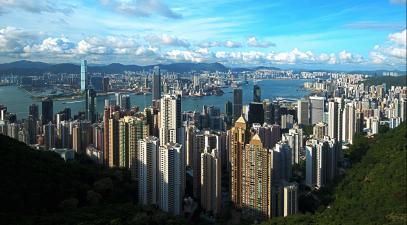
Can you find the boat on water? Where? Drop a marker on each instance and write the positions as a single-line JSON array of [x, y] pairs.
[[72, 102]]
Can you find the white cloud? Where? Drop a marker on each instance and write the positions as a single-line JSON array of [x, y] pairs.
[[141, 8], [53, 46], [226, 44], [168, 40], [254, 42], [13, 40], [392, 52], [347, 57]]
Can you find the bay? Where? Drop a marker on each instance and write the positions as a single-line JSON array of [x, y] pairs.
[[17, 100]]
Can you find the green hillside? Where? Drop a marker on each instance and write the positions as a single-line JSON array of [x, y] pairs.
[[38, 187], [388, 80], [373, 191]]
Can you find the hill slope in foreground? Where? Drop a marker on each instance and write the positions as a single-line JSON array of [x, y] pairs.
[[38, 187], [373, 190]]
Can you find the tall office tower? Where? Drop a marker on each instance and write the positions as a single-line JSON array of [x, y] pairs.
[[125, 102], [49, 136], [90, 112], [281, 162], [256, 93], [321, 161], [348, 123], [268, 111], [106, 117], [33, 111], [170, 119], [229, 113], [320, 130], [294, 138], [340, 116], [171, 178], [290, 199], [148, 155], [65, 136], [118, 98], [156, 91], [47, 110], [202, 141], [12, 130], [123, 143], [114, 134], [317, 106], [287, 121], [237, 103], [211, 180], [239, 136], [256, 113], [256, 180], [32, 129], [189, 144], [333, 120], [137, 130], [84, 75], [105, 85], [303, 112], [269, 135]]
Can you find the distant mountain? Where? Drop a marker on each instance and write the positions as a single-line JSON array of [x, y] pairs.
[[25, 67]]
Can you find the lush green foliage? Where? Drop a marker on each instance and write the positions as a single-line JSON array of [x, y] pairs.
[[38, 187], [388, 80], [373, 190]]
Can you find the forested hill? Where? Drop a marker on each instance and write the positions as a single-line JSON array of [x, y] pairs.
[[373, 191], [38, 187]]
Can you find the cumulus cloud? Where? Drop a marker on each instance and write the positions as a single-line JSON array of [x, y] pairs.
[[226, 44], [35, 6], [13, 40], [141, 8], [391, 52], [254, 42], [347, 57], [168, 40]]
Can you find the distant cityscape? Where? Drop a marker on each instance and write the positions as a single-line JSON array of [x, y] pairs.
[[255, 160]]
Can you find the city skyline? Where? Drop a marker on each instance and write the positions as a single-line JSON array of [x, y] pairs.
[[339, 35]]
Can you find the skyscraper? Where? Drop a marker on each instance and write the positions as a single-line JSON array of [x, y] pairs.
[[90, 113], [348, 123], [47, 110], [49, 136], [237, 103], [317, 106], [268, 111], [256, 93], [303, 112], [171, 178], [33, 111], [156, 84], [333, 120], [256, 180], [148, 171], [84, 75], [238, 136], [211, 180], [290, 199], [170, 119], [125, 102], [256, 113]]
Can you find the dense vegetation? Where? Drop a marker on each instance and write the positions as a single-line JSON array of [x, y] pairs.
[[388, 80], [372, 191], [38, 187]]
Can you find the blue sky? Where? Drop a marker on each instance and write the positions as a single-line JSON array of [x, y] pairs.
[[290, 34]]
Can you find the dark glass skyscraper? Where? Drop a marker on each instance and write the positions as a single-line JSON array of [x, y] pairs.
[[256, 93], [156, 91], [237, 103], [33, 111], [90, 105], [47, 110], [256, 113]]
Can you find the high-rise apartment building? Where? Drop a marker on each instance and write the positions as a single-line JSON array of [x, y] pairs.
[[317, 106], [333, 120], [170, 119], [148, 171], [211, 180]]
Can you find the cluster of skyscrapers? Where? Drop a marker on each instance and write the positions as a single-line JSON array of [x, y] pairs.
[[244, 156]]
